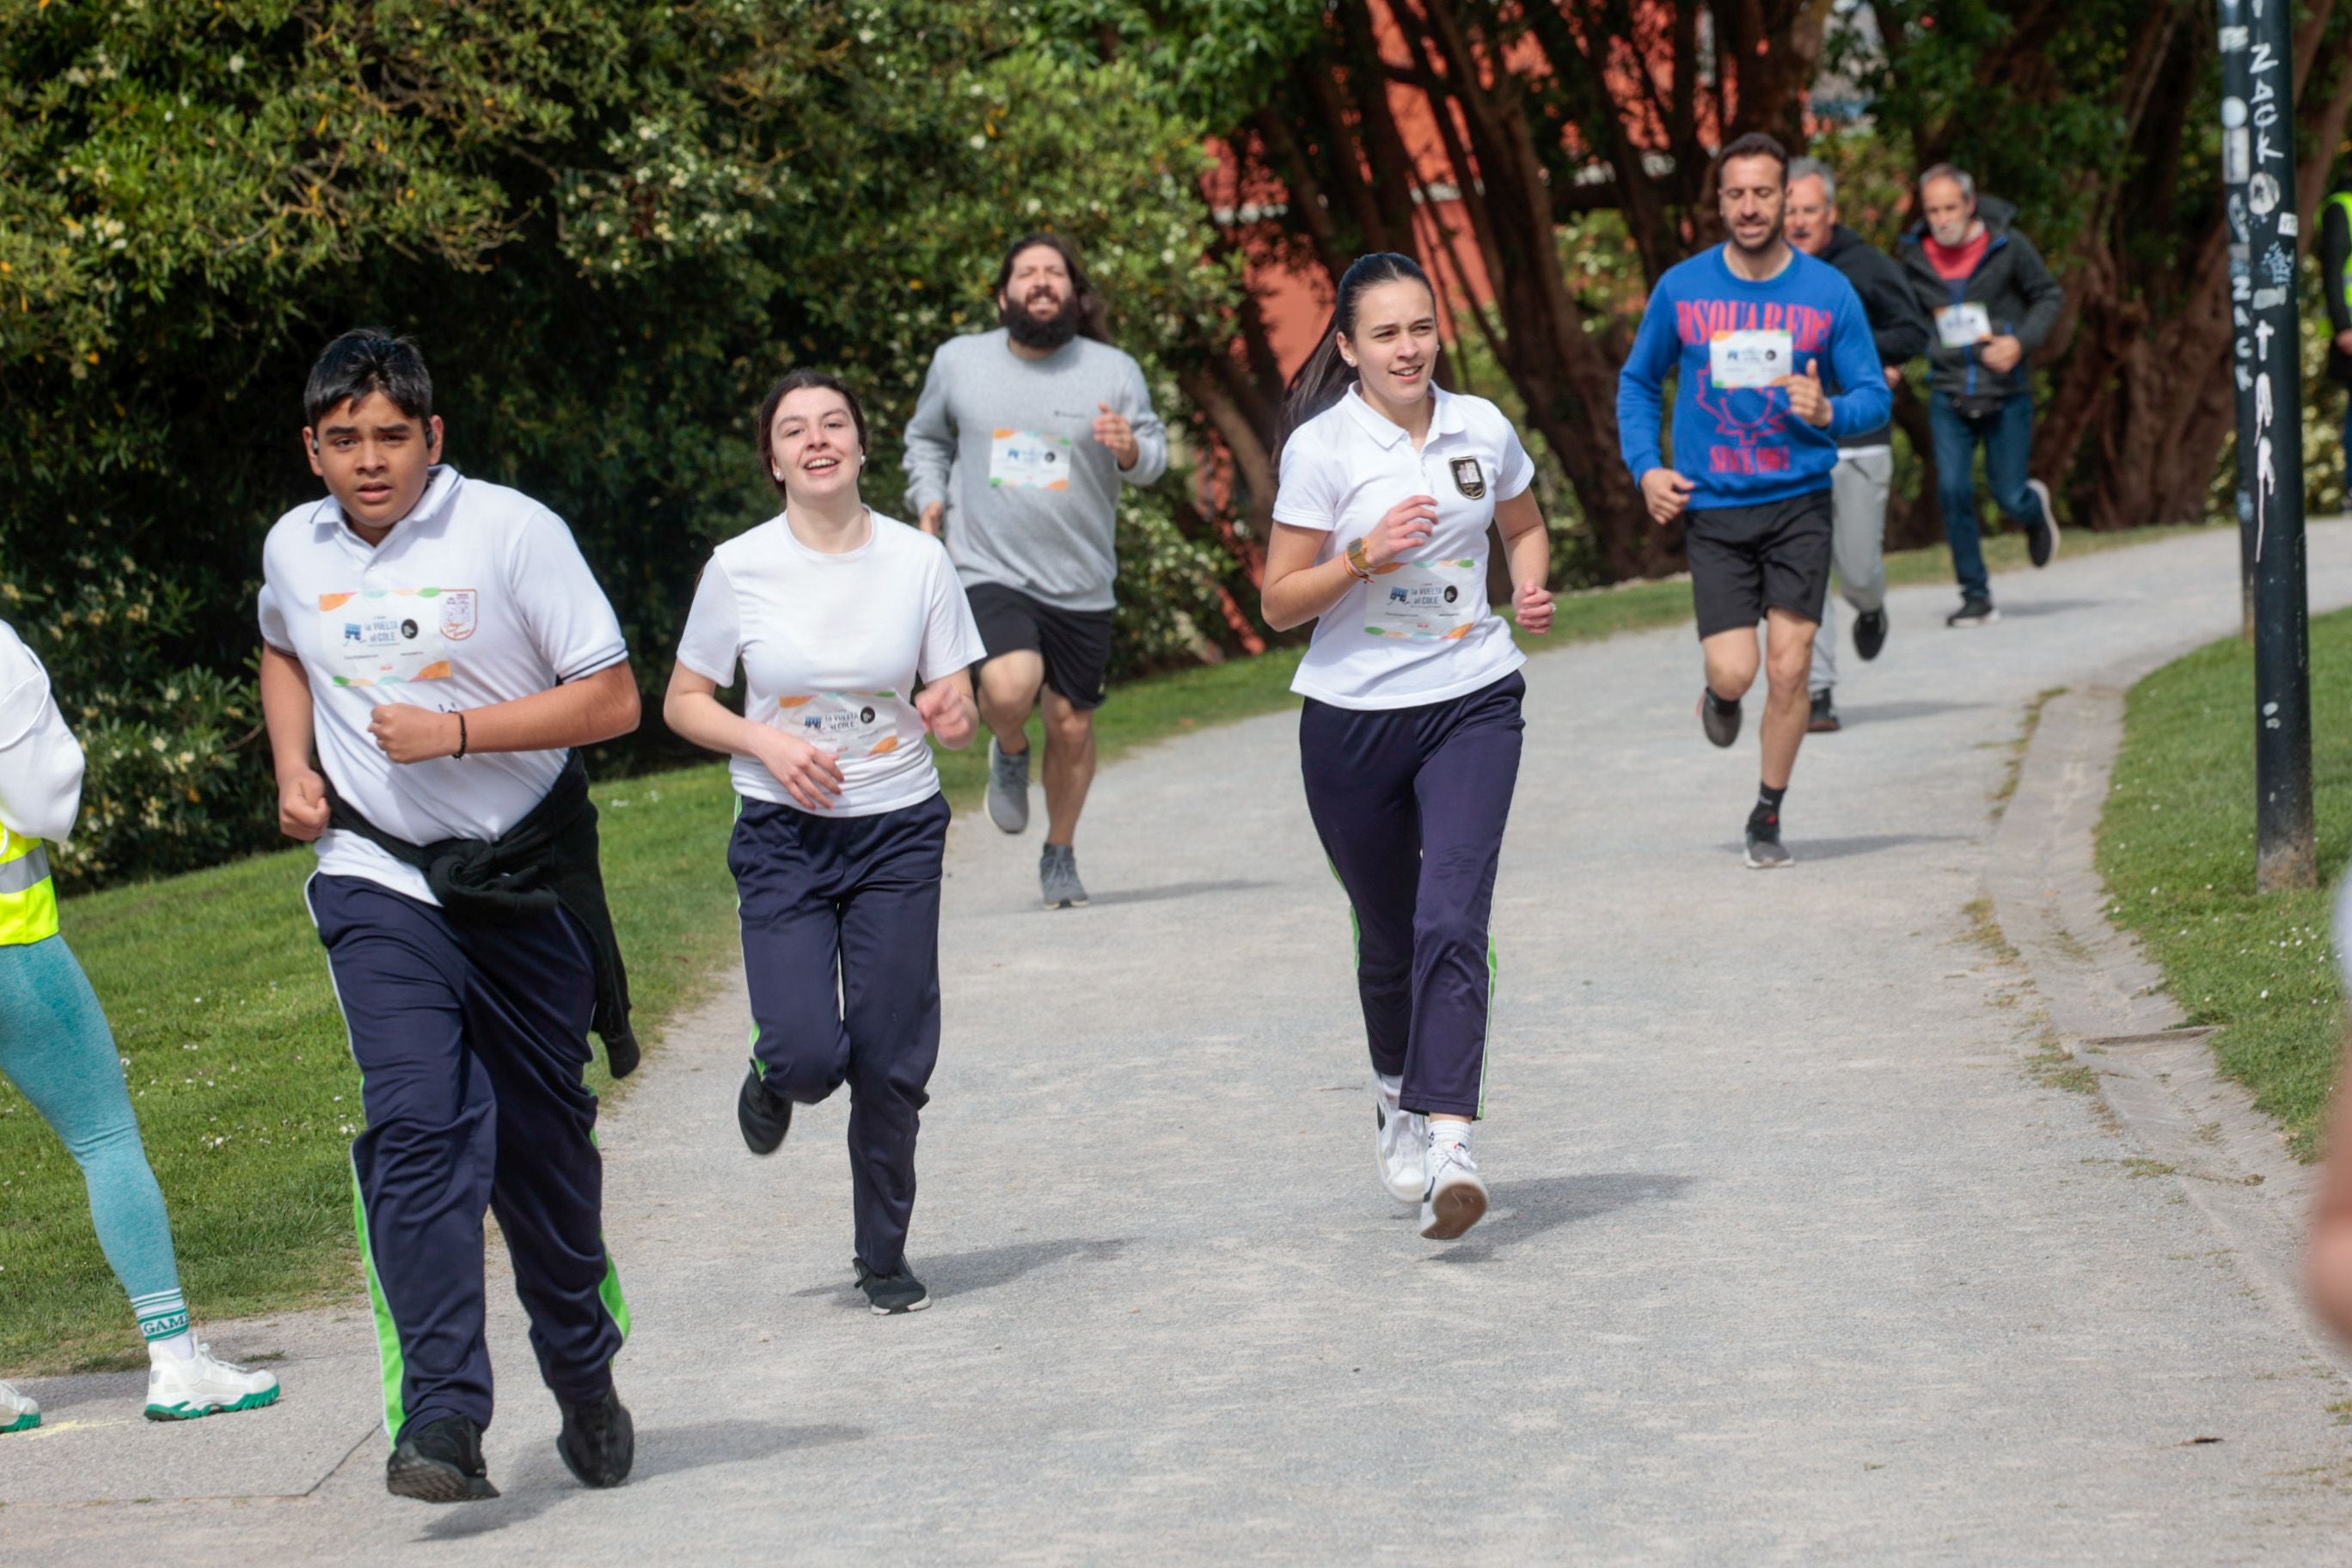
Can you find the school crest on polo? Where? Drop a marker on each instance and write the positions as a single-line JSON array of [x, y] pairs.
[[461, 613], [1469, 479]]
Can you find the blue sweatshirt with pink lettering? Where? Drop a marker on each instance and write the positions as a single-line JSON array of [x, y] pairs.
[[1740, 446]]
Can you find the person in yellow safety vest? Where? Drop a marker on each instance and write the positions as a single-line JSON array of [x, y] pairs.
[[2335, 285], [56, 1049]]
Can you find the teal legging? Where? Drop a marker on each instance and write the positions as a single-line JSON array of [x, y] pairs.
[[56, 1049]]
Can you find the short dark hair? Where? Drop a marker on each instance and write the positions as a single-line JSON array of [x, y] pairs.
[[794, 381], [366, 359], [1755, 144], [1094, 312]]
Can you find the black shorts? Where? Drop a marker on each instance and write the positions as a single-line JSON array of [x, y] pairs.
[[1075, 644], [1746, 560]]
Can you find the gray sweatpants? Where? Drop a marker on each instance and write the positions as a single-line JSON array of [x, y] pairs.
[[1858, 489]]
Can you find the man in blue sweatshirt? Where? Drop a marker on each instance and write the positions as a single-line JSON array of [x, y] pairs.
[[1774, 360]]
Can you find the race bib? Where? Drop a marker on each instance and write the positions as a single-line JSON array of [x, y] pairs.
[[1027, 460], [847, 723], [1958, 326], [1423, 601], [387, 636], [1749, 358]]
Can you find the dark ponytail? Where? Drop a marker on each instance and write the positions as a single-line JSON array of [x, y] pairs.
[[1325, 378]]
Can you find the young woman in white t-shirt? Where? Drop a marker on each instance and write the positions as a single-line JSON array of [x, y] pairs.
[[834, 613], [1410, 737]]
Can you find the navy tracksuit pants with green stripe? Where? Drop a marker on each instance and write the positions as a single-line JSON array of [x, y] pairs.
[[473, 1040], [841, 953], [1409, 803]]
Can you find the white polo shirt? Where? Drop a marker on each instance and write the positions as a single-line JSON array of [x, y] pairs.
[[831, 648], [477, 596], [1421, 631]]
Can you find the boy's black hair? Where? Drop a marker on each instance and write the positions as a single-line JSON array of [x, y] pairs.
[[366, 359]]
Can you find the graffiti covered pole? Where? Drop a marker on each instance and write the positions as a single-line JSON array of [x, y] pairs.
[[2236, 156], [2258, 138]]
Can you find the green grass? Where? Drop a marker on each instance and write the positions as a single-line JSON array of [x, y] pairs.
[[244, 1083], [2177, 849]]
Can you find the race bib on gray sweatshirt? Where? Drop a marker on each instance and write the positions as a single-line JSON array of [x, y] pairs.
[[1009, 445]]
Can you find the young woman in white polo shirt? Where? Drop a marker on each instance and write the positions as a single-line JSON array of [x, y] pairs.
[[834, 613], [1410, 737]]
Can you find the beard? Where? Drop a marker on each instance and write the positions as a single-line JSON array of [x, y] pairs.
[[1033, 332]]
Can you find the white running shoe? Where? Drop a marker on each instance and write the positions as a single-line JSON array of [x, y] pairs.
[[1455, 1199], [183, 1390], [1400, 1146], [17, 1411]]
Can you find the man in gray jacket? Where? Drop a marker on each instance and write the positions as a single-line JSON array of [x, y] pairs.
[[1993, 303], [1020, 444], [1864, 474]]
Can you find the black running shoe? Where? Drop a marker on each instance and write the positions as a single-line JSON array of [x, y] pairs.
[[1869, 634], [891, 1294], [1765, 850], [599, 1442], [440, 1461], [764, 1117], [1973, 613], [1824, 720], [2042, 543], [1722, 725]]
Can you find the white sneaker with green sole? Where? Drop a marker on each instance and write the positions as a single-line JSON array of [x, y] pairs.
[[181, 1390], [17, 1411]]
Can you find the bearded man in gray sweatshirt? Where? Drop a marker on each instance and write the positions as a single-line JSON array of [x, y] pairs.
[[1018, 450]]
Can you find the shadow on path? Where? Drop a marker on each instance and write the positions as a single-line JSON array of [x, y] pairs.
[[969, 1273], [1805, 848], [1525, 1210], [1895, 712], [661, 1451], [2049, 606], [1172, 891]]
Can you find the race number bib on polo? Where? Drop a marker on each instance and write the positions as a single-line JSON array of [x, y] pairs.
[[847, 723], [1423, 601], [388, 637], [1958, 326], [1027, 460], [1749, 358]]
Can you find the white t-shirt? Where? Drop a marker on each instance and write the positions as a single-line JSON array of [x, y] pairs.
[[831, 647], [40, 761], [1421, 631], [477, 596]]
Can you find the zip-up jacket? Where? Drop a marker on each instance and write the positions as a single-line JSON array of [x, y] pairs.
[[1896, 326], [2335, 275], [2012, 283]]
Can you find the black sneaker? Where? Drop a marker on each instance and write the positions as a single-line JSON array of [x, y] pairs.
[[1722, 725], [1869, 634], [891, 1294], [1973, 613], [599, 1442], [440, 1461], [1824, 721], [2042, 543], [1765, 850], [764, 1117]]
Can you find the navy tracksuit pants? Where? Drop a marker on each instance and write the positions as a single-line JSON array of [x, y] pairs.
[[840, 951], [472, 1040], [1409, 803]]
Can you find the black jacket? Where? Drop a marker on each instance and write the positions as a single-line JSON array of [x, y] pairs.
[[1895, 322], [2012, 283], [547, 859], [2336, 276]]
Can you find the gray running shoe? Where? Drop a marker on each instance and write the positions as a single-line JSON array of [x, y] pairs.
[[1058, 874], [2042, 543], [1765, 850], [1008, 788]]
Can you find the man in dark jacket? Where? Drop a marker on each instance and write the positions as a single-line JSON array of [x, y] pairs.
[[2336, 284], [1993, 303], [1866, 466]]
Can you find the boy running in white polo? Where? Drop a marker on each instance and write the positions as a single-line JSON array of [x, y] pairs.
[[443, 644]]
